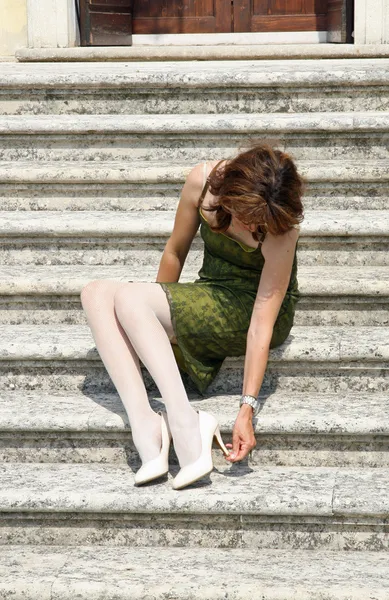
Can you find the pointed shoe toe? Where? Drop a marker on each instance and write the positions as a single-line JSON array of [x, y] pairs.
[[209, 428], [192, 473], [159, 466], [151, 470]]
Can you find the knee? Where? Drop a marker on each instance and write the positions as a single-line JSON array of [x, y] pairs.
[[127, 300], [92, 292]]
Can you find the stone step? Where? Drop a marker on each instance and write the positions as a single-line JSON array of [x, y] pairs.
[[292, 430], [92, 572], [330, 295], [338, 223], [139, 237], [334, 185], [194, 137], [325, 359], [236, 506], [345, 85], [203, 53]]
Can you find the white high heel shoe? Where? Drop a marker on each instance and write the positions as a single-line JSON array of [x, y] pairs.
[[209, 428], [159, 466]]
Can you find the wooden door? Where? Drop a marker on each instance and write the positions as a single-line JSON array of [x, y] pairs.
[[280, 15], [182, 16], [105, 22], [340, 24], [111, 22]]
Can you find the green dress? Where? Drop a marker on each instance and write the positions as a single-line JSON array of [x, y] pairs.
[[211, 315]]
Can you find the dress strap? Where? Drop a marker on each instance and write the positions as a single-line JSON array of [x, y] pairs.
[[206, 181], [204, 173], [204, 191]]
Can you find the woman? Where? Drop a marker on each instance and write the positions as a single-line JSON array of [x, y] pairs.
[[243, 303]]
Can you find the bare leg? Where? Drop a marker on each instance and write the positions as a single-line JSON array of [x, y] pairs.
[[116, 312], [122, 364], [143, 311]]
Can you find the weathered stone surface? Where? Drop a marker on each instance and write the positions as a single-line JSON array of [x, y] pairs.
[[315, 314], [193, 124], [334, 185], [192, 138], [110, 488], [64, 358], [197, 574], [355, 491], [204, 53], [193, 74], [132, 196], [99, 488], [292, 430], [72, 375], [297, 97], [304, 344], [346, 413], [137, 239], [151, 224], [204, 575], [352, 346], [318, 281], [195, 87], [95, 573], [139, 253], [174, 172], [252, 532], [310, 312], [29, 574], [273, 450]]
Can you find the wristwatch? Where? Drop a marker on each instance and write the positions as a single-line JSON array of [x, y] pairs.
[[252, 401]]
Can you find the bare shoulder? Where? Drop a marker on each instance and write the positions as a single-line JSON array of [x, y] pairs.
[[278, 245], [194, 182], [194, 178], [193, 185]]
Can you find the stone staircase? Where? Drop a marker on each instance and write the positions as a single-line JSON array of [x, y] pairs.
[[93, 157]]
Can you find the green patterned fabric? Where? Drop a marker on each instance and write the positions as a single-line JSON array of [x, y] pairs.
[[211, 315]]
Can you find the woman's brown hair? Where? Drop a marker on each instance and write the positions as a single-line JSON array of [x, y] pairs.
[[260, 186]]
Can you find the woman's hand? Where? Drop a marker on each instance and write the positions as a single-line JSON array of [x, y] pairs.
[[243, 438]]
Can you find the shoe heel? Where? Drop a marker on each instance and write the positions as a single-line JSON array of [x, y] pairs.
[[220, 441]]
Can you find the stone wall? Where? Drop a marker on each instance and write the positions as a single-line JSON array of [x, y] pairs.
[[13, 29], [372, 21]]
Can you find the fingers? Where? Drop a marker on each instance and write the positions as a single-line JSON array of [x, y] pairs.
[[240, 455], [243, 450], [241, 446], [235, 445]]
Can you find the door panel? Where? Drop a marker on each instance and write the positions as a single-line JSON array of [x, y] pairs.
[[106, 22], [280, 15], [285, 7], [340, 21], [182, 16]]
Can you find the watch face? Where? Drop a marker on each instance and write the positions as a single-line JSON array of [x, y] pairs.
[[253, 402]]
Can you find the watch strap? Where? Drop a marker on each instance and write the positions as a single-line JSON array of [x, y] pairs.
[[252, 401]]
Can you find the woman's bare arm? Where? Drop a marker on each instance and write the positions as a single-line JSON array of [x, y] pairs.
[[279, 253], [186, 224]]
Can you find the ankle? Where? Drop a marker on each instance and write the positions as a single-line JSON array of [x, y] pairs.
[[147, 437], [180, 423], [187, 443]]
